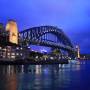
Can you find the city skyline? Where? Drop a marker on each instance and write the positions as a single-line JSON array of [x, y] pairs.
[[71, 16]]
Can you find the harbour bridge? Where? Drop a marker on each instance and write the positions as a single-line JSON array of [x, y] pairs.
[[14, 45], [49, 36]]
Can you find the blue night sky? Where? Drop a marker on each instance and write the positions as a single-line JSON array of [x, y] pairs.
[[73, 16]]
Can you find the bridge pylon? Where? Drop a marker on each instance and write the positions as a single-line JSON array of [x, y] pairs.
[[78, 51]]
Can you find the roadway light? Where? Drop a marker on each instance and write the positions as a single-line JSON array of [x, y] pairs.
[[36, 57], [17, 48], [29, 47], [17, 54], [51, 58]]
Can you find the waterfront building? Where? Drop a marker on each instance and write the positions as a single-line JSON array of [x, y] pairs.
[[13, 31], [9, 45]]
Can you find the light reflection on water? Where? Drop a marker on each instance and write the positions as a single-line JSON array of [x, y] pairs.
[[45, 77]]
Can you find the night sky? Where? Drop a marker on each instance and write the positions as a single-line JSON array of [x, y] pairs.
[[73, 16]]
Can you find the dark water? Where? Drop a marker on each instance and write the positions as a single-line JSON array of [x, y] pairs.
[[74, 76]]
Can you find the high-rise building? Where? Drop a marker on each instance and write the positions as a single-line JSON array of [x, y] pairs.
[[13, 31]]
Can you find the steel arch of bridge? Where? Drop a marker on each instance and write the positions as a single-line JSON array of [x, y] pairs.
[[32, 35]]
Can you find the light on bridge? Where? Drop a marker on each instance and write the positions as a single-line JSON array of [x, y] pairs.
[[43, 51]]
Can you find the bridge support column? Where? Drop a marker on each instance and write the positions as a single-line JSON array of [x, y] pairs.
[[57, 52], [72, 54]]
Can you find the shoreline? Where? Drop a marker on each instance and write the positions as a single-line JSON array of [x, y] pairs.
[[28, 62]]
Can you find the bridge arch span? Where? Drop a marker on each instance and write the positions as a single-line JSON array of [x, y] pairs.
[[36, 32]]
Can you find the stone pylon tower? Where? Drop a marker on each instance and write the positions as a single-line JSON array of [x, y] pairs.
[[78, 51], [13, 31]]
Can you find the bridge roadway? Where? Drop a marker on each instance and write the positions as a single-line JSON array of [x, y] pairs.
[[52, 44]]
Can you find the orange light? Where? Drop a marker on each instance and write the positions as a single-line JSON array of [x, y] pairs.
[[12, 28]]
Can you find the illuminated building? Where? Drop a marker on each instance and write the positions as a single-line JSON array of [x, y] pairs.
[[9, 41], [11, 27], [13, 31]]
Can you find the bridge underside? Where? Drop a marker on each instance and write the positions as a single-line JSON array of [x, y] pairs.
[[49, 44]]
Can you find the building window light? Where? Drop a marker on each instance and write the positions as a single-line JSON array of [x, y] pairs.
[[21, 54], [17, 48], [17, 54], [13, 53]]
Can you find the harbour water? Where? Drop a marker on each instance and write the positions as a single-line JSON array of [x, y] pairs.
[[74, 76]]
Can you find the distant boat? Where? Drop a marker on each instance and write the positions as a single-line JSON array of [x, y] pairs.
[[74, 61]]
